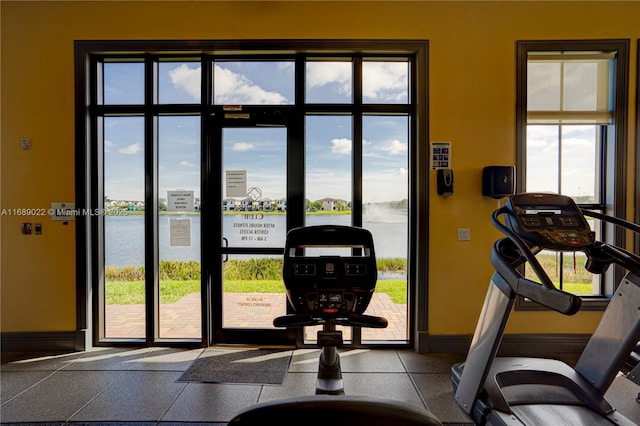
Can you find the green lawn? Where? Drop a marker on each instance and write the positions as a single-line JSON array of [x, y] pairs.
[[132, 292]]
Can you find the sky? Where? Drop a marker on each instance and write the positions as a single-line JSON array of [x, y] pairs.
[[262, 150]]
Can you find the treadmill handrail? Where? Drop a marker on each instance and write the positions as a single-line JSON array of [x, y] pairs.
[[618, 255], [612, 219], [552, 298], [523, 247]]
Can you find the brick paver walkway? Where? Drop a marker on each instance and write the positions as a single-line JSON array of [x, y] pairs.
[[240, 310]]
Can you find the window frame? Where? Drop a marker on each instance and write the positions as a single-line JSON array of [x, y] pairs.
[[637, 150], [89, 158], [614, 163]]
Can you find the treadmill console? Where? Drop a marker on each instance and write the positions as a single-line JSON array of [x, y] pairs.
[[329, 285], [550, 221]]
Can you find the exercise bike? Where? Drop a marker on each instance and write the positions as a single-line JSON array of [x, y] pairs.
[[330, 276], [537, 391]]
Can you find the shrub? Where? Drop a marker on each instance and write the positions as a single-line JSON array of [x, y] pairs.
[[234, 269]]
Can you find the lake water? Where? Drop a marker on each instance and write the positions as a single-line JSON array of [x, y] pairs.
[[124, 235]]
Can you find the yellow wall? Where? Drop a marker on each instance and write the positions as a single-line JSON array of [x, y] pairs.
[[471, 101]]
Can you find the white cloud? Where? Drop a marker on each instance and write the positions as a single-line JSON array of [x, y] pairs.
[[107, 145], [185, 163], [395, 147], [341, 146], [233, 88], [402, 171], [242, 146], [187, 79], [323, 73], [385, 81], [131, 149], [230, 87]]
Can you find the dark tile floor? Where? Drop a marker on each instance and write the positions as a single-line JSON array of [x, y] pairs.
[[109, 385]]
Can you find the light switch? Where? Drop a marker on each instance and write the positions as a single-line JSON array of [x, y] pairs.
[[25, 142], [464, 234]]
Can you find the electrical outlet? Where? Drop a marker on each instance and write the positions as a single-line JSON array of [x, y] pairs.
[[464, 234]]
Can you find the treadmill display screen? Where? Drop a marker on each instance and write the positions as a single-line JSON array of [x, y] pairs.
[[550, 221]]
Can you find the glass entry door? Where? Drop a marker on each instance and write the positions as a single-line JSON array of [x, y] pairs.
[[254, 228]]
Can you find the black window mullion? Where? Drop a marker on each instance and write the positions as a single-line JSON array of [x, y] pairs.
[[95, 181], [210, 230], [356, 159], [356, 190], [152, 282], [296, 202]]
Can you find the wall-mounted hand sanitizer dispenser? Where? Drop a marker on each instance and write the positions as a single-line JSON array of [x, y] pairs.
[[444, 182]]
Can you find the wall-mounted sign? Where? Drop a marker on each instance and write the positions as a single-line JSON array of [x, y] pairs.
[[180, 201], [236, 183], [180, 232], [440, 155]]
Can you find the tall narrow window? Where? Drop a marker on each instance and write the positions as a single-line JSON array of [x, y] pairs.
[[571, 139]]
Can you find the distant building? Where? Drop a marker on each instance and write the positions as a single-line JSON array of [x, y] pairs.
[[332, 204]]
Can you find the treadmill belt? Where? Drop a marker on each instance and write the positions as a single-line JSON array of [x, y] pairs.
[[558, 415]]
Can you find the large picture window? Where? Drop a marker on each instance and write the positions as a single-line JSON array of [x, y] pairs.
[[571, 137], [204, 155]]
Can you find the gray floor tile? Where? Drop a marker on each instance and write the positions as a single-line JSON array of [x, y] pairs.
[[211, 402], [12, 383], [23, 361], [165, 359], [371, 361], [428, 363], [351, 360], [395, 386], [622, 395], [296, 384], [58, 397], [35, 424], [437, 392], [135, 396], [304, 361], [104, 359]]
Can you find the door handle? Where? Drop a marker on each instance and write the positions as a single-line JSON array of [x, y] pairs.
[[226, 244]]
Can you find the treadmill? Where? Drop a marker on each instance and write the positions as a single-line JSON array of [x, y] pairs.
[[539, 391]]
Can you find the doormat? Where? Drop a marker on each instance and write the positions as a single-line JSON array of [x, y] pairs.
[[253, 366]]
